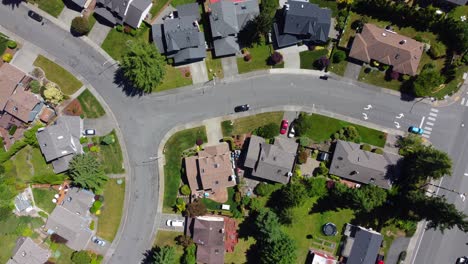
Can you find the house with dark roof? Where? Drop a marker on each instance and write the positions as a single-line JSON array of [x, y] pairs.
[[361, 245], [301, 21], [352, 163], [81, 4], [454, 3], [26, 251], [180, 37], [271, 162], [71, 218], [209, 235], [227, 19], [387, 47], [211, 169], [61, 141], [129, 12]]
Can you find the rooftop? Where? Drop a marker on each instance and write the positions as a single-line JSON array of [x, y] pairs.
[[208, 234], [10, 77], [28, 252]]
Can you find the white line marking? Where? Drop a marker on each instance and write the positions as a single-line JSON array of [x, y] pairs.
[[422, 121], [466, 174], [428, 128], [427, 132], [432, 114], [431, 118], [463, 101], [435, 110], [429, 123], [424, 135]]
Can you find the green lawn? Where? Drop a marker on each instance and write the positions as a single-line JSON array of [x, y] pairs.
[[92, 21], [90, 105], [173, 149], [115, 43], [327, 4], [173, 79], [238, 256], [3, 44], [250, 123], [53, 7], [212, 205], [43, 199], [111, 211], [260, 55], [157, 6], [309, 57], [2, 146], [111, 156], [426, 59], [167, 238], [323, 127], [61, 253], [175, 3], [40, 167], [55, 73], [23, 168], [213, 66], [377, 78], [453, 85], [338, 68]]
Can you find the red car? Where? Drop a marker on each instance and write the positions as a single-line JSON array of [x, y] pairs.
[[284, 126]]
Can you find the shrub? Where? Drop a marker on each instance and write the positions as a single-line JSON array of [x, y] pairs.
[[304, 141], [12, 130], [268, 131], [184, 240], [236, 213], [248, 57], [227, 126], [265, 189], [81, 257], [322, 63], [255, 204], [302, 157], [437, 50], [366, 147], [91, 225], [52, 93], [35, 86], [11, 44], [321, 170], [95, 149], [237, 197], [187, 74], [7, 57], [80, 25], [196, 208], [133, 32], [95, 207], [245, 200], [185, 190], [316, 187], [378, 151], [199, 142], [108, 139], [180, 205], [119, 28], [394, 75], [339, 56], [127, 29], [276, 57]]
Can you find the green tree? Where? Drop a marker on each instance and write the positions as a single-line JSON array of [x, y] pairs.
[[368, 197], [304, 141], [339, 56], [80, 257], [143, 66], [316, 187], [267, 225], [281, 251], [185, 189], [426, 162], [30, 135], [164, 255], [293, 194], [457, 34], [196, 208], [189, 255], [270, 130], [303, 124], [426, 82], [264, 21], [86, 172], [409, 144], [321, 170], [80, 25]]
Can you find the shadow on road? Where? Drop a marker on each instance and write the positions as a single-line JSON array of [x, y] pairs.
[[149, 256], [12, 3], [125, 85]]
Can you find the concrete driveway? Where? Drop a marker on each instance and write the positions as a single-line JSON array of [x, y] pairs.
[[199, 72], [103, 125], [25, 57], [68, 15], [164, 217], [230, 67], [291, 57], [352, 70], [99, 33]]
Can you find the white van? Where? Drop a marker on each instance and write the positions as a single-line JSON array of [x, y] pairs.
[[179, 223]]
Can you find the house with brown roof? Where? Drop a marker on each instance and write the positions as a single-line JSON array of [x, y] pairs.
[[209, 235], [211, 169], [387, 47], [10, 78], [23, 105]]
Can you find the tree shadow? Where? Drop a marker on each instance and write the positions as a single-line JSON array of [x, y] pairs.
[[252, 254], [247, 227], [149, 256], [12, 3], [126, 86]]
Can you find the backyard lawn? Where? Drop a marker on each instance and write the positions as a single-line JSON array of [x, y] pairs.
[[173, 79], [90, 105], [115, 43], [61, 253], [167, 238], [43, 199], [111, 156], [309, 57], [260, 55], [323, 127], [111, 211], [53, 7], [23, 168], [212, 205], [173, 149], [40, 167], [376, 77], [250, 123], [213, 66], [239, 256], [55, 73]]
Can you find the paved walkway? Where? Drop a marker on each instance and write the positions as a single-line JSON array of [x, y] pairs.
[[291, 57], [68, 15], [25, 57], [99, 33], [199, 72], [352, 70], [213, 130], [230, 67]]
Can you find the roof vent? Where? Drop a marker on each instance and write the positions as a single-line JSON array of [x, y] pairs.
[[383, 34], [202, 170], [216, 165], [60, 137], [243, 7], [15, 108], [397, 56], [274, 158], [403, 42], [69, 199], [340, 158], [64, 152], [23, 254], [302, 6], [216, 182]]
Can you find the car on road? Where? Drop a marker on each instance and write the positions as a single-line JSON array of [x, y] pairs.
[[242, 108], [99, 242], [284, 126], [416, 130], [179, 223], [35, 16], [292, 132], [462, 260], [89, 132]]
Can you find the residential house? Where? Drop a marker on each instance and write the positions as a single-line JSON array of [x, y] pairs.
[[28, 252], [82, 4], [61, 141], [354, 164], [209, 235], [387, 47], [271, 162], [23, 105], [71, 218], [211, 169], [361, 245], [454, 3], [321, 258], [301, 21], [129, 12], [180, 37], [227, 19]]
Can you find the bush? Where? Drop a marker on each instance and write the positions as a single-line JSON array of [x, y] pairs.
[[12, 130], [133, 32], [81, 257], [248, 57], [95, 207], [184, 240], [255, 204], [95, 149], [302, 157], [83, 140], [304, 141], [245, 200], [91, 225], [196, 208], [237, 197], [437, 50], [119, 28], [265, 189], [322, 63], [316, 187], [12, 44], [7, 57], [227, 126], [80, 25], [108, 139], [180, 205], [276, 57], [35, 86], [187, 74], [185, 190], [199, 141], [366, 147], [339, 56], [268, 131], [321, 170], [378, 151]]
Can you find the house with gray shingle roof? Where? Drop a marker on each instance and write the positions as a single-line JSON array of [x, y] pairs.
[[61, 141], [271, 162], [130, 12], [180, 37], [28, 252], [302, 21], [362, 245]]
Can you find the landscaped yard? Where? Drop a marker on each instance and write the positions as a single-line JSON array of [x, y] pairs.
[[111, 211], [157, 6], [260, 55], [309, 57], [213, 66], [53, 7], [55, 73], [167, 238], [338, 68], [250, 123], [323, 127], [376, 77], [111, 156], [116, 45], [173, 149], [173, 79], [90, 105], [41, 168], [453, 85], [61, 253], [212, 205], [43, 199], [238, 256]]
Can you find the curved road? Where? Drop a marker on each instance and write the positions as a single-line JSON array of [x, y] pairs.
[[145, 120]]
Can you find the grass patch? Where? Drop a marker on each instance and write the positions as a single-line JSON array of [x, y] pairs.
[[53, 7], [111, 156], [157, 6], [175, 3], [91, 21], [23, 168], [213, 66], [173, 79], [332, 5], [61, 253], [173, 149], [115, 43], [55, 73], [40, 167], [43, 199], [309, 57], [452, 86], [111, 212], [260, 55], [167, 238], [239, 256], [212, 205], [323, 127], [390, 233], [250, 123], [338, 68], [90, 105], [377, 78], [426, 59]]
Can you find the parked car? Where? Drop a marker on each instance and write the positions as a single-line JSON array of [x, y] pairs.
[[179, 223], [241, 108], [416, 130], [292, 132], [284, 126], [89, 132], [35, 16], [324, 77], [462, 260], [98, 241]]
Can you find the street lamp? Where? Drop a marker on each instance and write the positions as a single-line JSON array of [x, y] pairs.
[[462, 195]]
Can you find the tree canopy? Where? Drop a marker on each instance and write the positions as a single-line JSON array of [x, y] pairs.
[[164, 255], [368, 197], [427, 81], [196, 208], [86, 172], [269, 130], [424, 162], [293, 194]]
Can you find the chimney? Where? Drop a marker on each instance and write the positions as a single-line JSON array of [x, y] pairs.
[[403, 42]]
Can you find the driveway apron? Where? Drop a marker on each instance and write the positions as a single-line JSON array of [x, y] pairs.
[[352, 70], [99, 33], [25, 57], [68, 15], [230, 66], [213, 130], [198, 71]]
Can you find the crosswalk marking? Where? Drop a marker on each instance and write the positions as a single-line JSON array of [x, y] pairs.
[[429, 123], [435, 110], [463, 101], [433, 114], [427, 132], [424, 135], [428, 128], [431, 118]]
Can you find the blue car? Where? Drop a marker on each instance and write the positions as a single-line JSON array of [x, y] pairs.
[[416, 130]]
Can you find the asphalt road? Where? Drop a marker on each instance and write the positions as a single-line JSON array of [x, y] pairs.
[[145, 120]]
